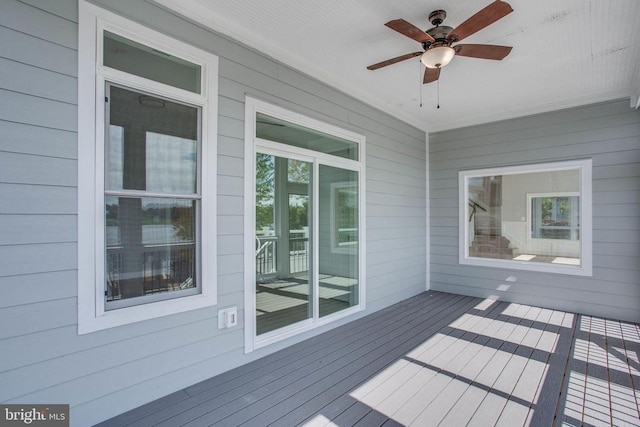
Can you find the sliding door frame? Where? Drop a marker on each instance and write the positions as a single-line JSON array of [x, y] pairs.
[[255, 145]]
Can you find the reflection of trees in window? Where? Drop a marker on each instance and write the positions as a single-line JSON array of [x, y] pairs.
[[183, 220], [298, 211], [299, 171], [556, 217], [265, 179], [555, 211]]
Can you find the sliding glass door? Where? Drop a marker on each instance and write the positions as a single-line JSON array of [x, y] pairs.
[[338, 235], [287, 290], [283, 242], [307, 213]]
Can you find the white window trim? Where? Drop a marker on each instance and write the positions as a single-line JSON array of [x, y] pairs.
[[91, 76], [252, 107], [586, 252]]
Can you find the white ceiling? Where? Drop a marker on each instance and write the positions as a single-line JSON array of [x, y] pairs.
[[565, 52]]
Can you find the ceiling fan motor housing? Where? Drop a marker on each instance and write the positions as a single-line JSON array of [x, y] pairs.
[[437, 17], [439, 33]]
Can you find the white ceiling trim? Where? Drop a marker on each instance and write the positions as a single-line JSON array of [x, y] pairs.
[[531, 110]]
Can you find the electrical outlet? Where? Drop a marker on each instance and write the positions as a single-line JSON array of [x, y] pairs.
[[232, 317], [227, 317]]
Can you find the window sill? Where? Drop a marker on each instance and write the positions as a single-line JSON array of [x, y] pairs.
[[542, 267], [88, 322]]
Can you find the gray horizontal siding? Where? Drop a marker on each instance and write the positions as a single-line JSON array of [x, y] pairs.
[[37, 258], [27, 139], [34, 288], [609, 134], [42, 359], [38, 199], [37, 81], [30, 169], [59, 31], [33, 110], [67, 9], [30, 229], [33, 318], [38, 52]]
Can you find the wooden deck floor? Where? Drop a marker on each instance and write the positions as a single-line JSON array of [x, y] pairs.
[[435, 359]]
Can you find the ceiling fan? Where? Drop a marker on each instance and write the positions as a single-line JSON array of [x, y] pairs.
[[438, 42]]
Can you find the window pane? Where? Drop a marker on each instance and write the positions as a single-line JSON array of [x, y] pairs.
[[284, 289], [171, 163], [115, 156], [135, 58], [277, 130], [555, 217], [338, 257], [151, 143], [532, 217], [265, 195], [344, 200], [150, 246]]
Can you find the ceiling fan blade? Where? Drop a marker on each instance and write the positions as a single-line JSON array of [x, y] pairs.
[[431, 75], [410, 30], [483, 51], [487, 16], [394, 60]]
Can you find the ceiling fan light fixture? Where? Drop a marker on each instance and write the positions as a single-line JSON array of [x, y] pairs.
[[437, 57]]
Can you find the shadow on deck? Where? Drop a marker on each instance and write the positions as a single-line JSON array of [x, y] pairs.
[[434, 359]]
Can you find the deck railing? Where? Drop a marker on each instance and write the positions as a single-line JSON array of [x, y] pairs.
[[298, 254], [267, 250], [266, 255], [161, 268]]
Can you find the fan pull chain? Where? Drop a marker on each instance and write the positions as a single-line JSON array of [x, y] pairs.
[[438, 94], [420, 80]]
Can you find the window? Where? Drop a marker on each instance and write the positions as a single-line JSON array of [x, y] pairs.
[[555, 216], [146, 190], [151, 198], [306, 205], [531, 217], [276, 129]]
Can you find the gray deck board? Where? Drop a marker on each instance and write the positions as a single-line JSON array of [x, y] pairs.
[[353, 368], [224, 388], [372, 419], [551, 388], [624, 409], [283, 386], [394, 381], [435, 359], [353, 415]]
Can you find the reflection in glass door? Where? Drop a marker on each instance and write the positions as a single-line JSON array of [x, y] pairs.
[[284, 288], [309, 233], [287, 291], [339, 251]]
